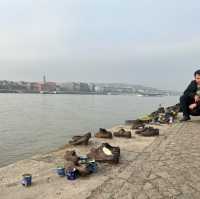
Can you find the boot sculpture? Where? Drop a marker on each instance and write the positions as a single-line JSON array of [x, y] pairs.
[[122, 133], [80, 140], [103, 133], [105, 153]]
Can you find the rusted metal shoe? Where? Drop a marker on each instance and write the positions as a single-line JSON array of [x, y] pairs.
[[103, 133], [71, 156], [175, 108], [72, 162], [139, 131], [135, 124], [138, 126], [105, 153], [122, 133], [80, 140], [149, 132]]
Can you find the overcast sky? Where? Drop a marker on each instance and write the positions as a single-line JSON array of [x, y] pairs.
[[150, 42]]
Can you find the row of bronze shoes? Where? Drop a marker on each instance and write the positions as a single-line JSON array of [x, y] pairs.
[[104, 153], [103, 133], [107, 153], [143, 130], [160, 116], [166, 115], [87, 165]]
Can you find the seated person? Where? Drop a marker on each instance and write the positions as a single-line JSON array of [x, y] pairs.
[[190, 100]]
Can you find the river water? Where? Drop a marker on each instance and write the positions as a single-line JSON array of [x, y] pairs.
[[34, 123]]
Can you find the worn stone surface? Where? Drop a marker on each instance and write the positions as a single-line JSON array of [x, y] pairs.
[[168, 168], [165, 167]]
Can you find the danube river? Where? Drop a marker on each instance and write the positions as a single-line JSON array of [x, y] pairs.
[[34, 123]]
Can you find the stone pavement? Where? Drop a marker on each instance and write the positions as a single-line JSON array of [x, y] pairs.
[[168, 168]]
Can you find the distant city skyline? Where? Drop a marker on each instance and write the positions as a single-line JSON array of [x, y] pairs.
[[68, 81], [48, 87], [148, 42]]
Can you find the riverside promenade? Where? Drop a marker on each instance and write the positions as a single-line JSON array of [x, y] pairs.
[[168, 168], [164, 167]]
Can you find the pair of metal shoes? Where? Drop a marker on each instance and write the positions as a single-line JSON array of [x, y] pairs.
[[80, 140], [148, 132], [82, 166], [103, 133], [105, 153], [122, 133]]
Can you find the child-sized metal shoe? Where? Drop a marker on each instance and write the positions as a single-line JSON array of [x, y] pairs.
[[71, 156], [72, 162]]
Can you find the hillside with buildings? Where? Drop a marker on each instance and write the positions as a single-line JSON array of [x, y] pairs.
[[81, 88]]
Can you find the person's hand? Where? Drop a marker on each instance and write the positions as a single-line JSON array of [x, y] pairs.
[[196, 98], [192, 106]]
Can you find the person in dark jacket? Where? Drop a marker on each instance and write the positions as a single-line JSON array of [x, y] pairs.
[[190, 100]]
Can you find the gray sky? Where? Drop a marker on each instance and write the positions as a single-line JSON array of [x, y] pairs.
[[150, 42]]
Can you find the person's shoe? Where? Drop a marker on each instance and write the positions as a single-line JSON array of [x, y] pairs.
[[122, 133], [103, 133], [105, 153], [185, 119], [80, 140]]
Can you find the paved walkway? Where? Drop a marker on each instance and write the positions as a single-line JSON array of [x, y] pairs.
[[168, 168]]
